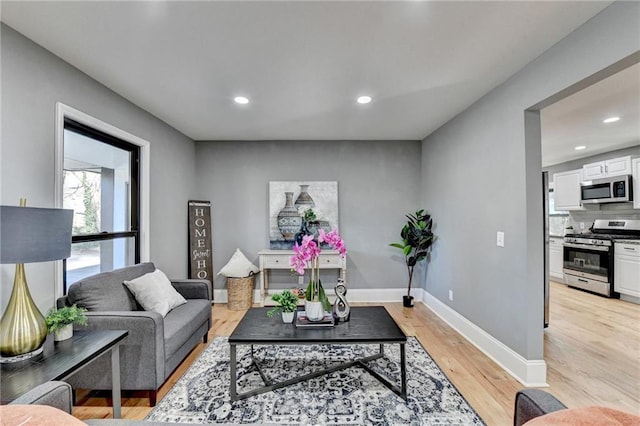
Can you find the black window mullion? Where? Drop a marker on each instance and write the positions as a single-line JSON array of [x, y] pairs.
[[134, 215], [103, 236]]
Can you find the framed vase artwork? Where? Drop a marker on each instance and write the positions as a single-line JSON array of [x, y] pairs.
[[291, 202]]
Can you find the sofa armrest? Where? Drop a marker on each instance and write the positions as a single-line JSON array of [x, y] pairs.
[[532, 403], [193, 288], [142, 353], [54, 394]]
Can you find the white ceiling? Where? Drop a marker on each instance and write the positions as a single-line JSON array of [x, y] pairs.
[[302, 63], [578, 119]]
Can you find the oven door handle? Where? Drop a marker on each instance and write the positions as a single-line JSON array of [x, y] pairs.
[[587, 247]]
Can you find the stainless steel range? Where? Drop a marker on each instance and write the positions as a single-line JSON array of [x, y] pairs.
[[588, 258]]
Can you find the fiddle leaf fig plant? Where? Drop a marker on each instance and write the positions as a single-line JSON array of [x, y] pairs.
[[417, 238]]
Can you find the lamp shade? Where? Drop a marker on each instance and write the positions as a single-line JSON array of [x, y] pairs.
[[29, 234]]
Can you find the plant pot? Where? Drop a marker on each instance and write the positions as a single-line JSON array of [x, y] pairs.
[[407, 301], [287, 317], [314, 310], [64, 333]]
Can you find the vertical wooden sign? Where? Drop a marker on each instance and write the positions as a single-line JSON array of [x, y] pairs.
[[200, 254]]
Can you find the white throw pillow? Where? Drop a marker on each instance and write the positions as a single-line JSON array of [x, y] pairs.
[[154, 292], [238, 266]]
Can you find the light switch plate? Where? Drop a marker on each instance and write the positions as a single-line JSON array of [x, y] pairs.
[[500, 239]]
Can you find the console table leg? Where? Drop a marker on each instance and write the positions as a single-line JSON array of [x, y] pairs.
[[115, 380]]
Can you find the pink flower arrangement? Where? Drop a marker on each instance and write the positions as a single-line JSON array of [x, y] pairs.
[[307, 253]]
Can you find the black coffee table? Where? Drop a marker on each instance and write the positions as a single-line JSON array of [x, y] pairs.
[[368, 325]]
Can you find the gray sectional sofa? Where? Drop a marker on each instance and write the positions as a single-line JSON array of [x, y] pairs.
[[155, 345]]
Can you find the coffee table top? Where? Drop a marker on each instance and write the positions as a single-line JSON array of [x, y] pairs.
[[368, 324]]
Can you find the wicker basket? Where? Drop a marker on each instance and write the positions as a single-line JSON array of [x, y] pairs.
[[240, 292]]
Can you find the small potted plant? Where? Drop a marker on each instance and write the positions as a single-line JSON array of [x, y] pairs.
[[288, 303], [60, 321]]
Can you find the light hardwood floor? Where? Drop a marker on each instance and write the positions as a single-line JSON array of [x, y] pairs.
[[592, 350]]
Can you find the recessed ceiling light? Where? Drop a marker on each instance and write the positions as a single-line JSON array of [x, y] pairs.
[[364, 99], [241, 100], [580, 148], [611, 120]]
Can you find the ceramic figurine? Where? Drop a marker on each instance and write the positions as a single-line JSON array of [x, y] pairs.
[[341, 310]]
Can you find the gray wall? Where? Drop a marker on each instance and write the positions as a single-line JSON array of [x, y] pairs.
[[378, 183], [33, 80], [481, 176]]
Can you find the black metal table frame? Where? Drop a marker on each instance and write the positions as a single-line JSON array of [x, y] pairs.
[[270, 385]]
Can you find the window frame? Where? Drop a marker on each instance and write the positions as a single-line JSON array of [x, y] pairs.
[[89, 126]]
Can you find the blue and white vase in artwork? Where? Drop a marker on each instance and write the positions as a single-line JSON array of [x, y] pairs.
[[289, 220]]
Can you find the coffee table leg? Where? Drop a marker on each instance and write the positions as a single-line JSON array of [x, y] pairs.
[[232, 379], [115, 380], [403, 372]]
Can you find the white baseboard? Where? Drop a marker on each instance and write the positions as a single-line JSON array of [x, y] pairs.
[[531, 373], [353, 295]]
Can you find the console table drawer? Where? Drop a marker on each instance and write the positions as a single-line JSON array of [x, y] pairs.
[[281, 261], [330, 261]]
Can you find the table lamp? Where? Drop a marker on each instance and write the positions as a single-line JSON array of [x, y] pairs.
[[28, 235]]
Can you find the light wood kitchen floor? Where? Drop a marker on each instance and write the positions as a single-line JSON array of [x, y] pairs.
[[592, 350]]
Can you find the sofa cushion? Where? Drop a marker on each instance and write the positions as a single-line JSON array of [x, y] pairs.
[[154, 292], [106, 291], [182, 322]]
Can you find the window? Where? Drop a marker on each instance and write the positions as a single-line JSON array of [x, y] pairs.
[[101, 178]]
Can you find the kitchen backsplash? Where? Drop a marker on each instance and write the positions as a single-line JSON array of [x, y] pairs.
[[557, 225], [610, 211]]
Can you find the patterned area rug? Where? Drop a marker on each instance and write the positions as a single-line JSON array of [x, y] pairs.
[[347, 397]]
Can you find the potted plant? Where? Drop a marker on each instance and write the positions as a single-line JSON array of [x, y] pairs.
[[61, 321], [416, 239], [288, 303], [307, 254]]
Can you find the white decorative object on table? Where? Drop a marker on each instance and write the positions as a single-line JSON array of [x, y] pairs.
[[287, 317], [314, 310], [64, 333]]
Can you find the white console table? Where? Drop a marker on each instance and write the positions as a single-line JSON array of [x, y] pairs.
[[280, 259]]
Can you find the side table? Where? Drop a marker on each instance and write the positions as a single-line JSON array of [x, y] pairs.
[[60, 360]]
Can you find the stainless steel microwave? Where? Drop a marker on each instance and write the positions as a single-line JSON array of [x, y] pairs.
[[616, 189]]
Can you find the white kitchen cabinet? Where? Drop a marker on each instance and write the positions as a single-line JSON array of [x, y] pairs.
[[635, 166], [612, 167], [626, 269], [567, 190], [555, 258]]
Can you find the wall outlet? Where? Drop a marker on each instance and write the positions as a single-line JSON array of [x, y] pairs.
[[500, 239], [581, 225], [451, 295]]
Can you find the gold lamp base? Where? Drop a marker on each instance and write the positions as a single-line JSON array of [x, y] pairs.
[[22, 328]]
